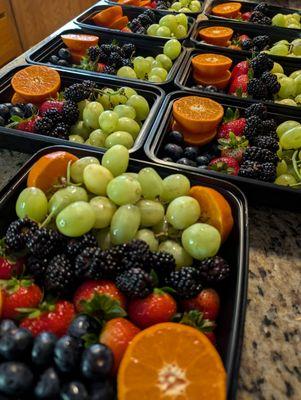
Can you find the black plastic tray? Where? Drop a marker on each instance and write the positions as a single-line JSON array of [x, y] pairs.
[[31, 142], [251, 30], [85, 21], [42, 54], [234, 296], [184, 81], [257, 192]]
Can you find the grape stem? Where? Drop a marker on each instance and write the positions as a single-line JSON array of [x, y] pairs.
[[47, 220], [295, 164]]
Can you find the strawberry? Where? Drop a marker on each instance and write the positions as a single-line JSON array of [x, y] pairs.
[[153, 309], [117, 335], [234, 146], [237, 126], [50, 317], [227, 165], [196, 319], [241, 38], [100, 67], [50, 105], [126, 29], [207, 302], [239, 85], [241, 68], [9, 266], [28, 125], [153, 4], [19, 294], [101, 298], [246, 16], [211, 336]]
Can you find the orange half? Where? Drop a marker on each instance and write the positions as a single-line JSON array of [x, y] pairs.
[[211, 65], [217, 35], [227, 10], [219, 82]]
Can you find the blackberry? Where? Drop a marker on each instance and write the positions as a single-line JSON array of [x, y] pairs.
[[247, 44], [163, 264], [144, 20], [18, 233], [254, 153], [59, 274], [87, 264], [258, 110], [136, 254], [263, 171], [108, 69], [44, 125], [266, 142], [213, 270], [129, 50], [54, 115], [260, 64], [127, 62], [77, 92], [261, 42], [115, 60], [257, 89], [70, 112], [253, 127], [78, 245], [43, 241], [61, 131], [269, 127], [271, 81], [36, 267], [135, 25], [266, 21], [103, 57], [88, 85], [258, 17], [150, 13], [94, 53], [262, 7], [135, 283], [106, 48], [185, 281], [141, 31]]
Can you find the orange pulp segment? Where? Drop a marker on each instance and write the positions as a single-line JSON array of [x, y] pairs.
[[79, 42], [119, 23], [211, 65], [193, 139], [219, 82], [227, 10], [107, 16], [217, 35]]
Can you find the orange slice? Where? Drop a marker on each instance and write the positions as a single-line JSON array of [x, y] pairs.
[[215, 209], [17, 99], [49, 169], [119, 23], [211, 65], [36, 83], [193, 138], [197, 114], [129, 2], [76, 56], [107, 16], [79, 42], [171, 361], [219, 82], [217, 35], [227, 10]]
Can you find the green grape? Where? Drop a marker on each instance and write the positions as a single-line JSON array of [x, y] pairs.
[[128, 91], [97, 138], [108, 121], [297, 85], [181, 256], [76, 219], [277, 68], [279, 20], [80, 129], [128, 125], [132, 174], [287, 102], [183, 212], [87, 142], [77, 168], [105, 99], [125, 224], [172, 49], [296, 49], [285, 180], [140, 105], [295, 74], [155, 79], [176, 6], [118, 98], [291, 139], [124, 190], [104, 210], [103, 237], [279, 50], [119, 137], [116, 159], [157, 64], [125, 111], [184, 3], [163, 31], [141, 67], [161, 228], [174, 186], [126, 72], [149, 58], [296, 16], [195, 6], [63, 197], [76, 139], [180, 32], [294, 26], [201, 241], [152, 212], [184, 10], [298, 99], [32, 203], [169, 21], [279, 76], [92, 113], [162, 73], [182, 20], [281, 167], [96, 178], [151, 183], [81, 106], [152, 29], [149, 238], [287, 88], [165, 61]]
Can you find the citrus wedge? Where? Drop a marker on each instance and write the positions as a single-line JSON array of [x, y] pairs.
[[107, 16], [211, 65], [219, 82], [79, 42], [216, 35], [194, 139], [227, 10], [119, 23]]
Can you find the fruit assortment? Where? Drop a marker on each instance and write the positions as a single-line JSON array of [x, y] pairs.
[[100, 270], [185, 6]]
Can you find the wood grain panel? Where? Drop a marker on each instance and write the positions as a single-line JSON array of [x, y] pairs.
[[36, 19], [9, 41]]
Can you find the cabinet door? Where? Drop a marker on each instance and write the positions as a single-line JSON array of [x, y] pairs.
[[37, 19], [9, 40]]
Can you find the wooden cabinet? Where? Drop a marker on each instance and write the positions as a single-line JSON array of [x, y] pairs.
[[9, 41]]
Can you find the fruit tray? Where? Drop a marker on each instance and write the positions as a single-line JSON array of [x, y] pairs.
[[257, 192], [30, 142], [242, 29], [184, 80], [42, 54], [85, 21], [233, 295]]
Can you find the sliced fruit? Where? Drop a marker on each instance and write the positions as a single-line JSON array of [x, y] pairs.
[[227, 10], [197, 114], [49, 169], [129, 2], [76, 56], [215, 209], [79, 42], [171, 361], [36, 83], [217, 35], [107, 16], [17, 99], [144, 3], [219, 82], [193, 138], [120, 23], [211, 65]]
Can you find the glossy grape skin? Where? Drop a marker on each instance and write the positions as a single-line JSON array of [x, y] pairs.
[[76, 219], [76, 139], [108, 121], [152, 212], [91, 114], [125, 224], [291, 139], [125, 111], [161, 72], [80, 129], [127, 72], [286, 126], [97, 138], [77, 168], [116, 159], [165, 61], [32, 203], [103, 237], [172, 49], [151, 183], [181, 256], [174, 186], [140, 105], [148, 237], [96, 179], [124, 190], [129, 125], [285, 180], [104, 210], [201, 241], [120, 137], [183, 212], [63, 197]]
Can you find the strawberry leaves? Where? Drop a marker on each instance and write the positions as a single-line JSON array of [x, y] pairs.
[[103, 307], [195, 319], [231, 115]]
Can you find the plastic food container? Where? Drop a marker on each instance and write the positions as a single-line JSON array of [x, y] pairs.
[[30, 142], [235, 250], [257, 192]]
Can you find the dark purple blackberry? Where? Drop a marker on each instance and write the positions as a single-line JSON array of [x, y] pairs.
[[163, 264], [266, 21], [78, 245], [185, 281], [144, 20], [213, 270], [70, 112], [254, 153], [54, 115], [136, 254], [44, 126], [36, 267], [93, 53], [61, 131], [106, 48], [141, 31], [108, 69], [87, 263], [253, 127], [260, 64], [135, 283], [150, 13], [247, 44], [127, 62], [135, 25], [88, 85], [269, 127], [271, 81], [266, 142], [18, 233], [43, 241], [129, 50], [262, 7], [263, 171], [257, 109], [77, 92], [115, 60], [103, 57], [261, 42], [59, 275], [258, 17], [257, 89]]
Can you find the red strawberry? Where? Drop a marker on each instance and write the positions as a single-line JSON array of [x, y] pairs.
[[100, 67], [100, 297], [153, 309], [51, 105], [126, 29], [10, 267], [241, 38], [227, 165], [117, 335], [246, 16], [237, 127], [211, 336], [234, 146], [196, 319], [239, 85], [241, 68], [18, 294], [28, 125], [54, 318], [153, 4], [207, 302]]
